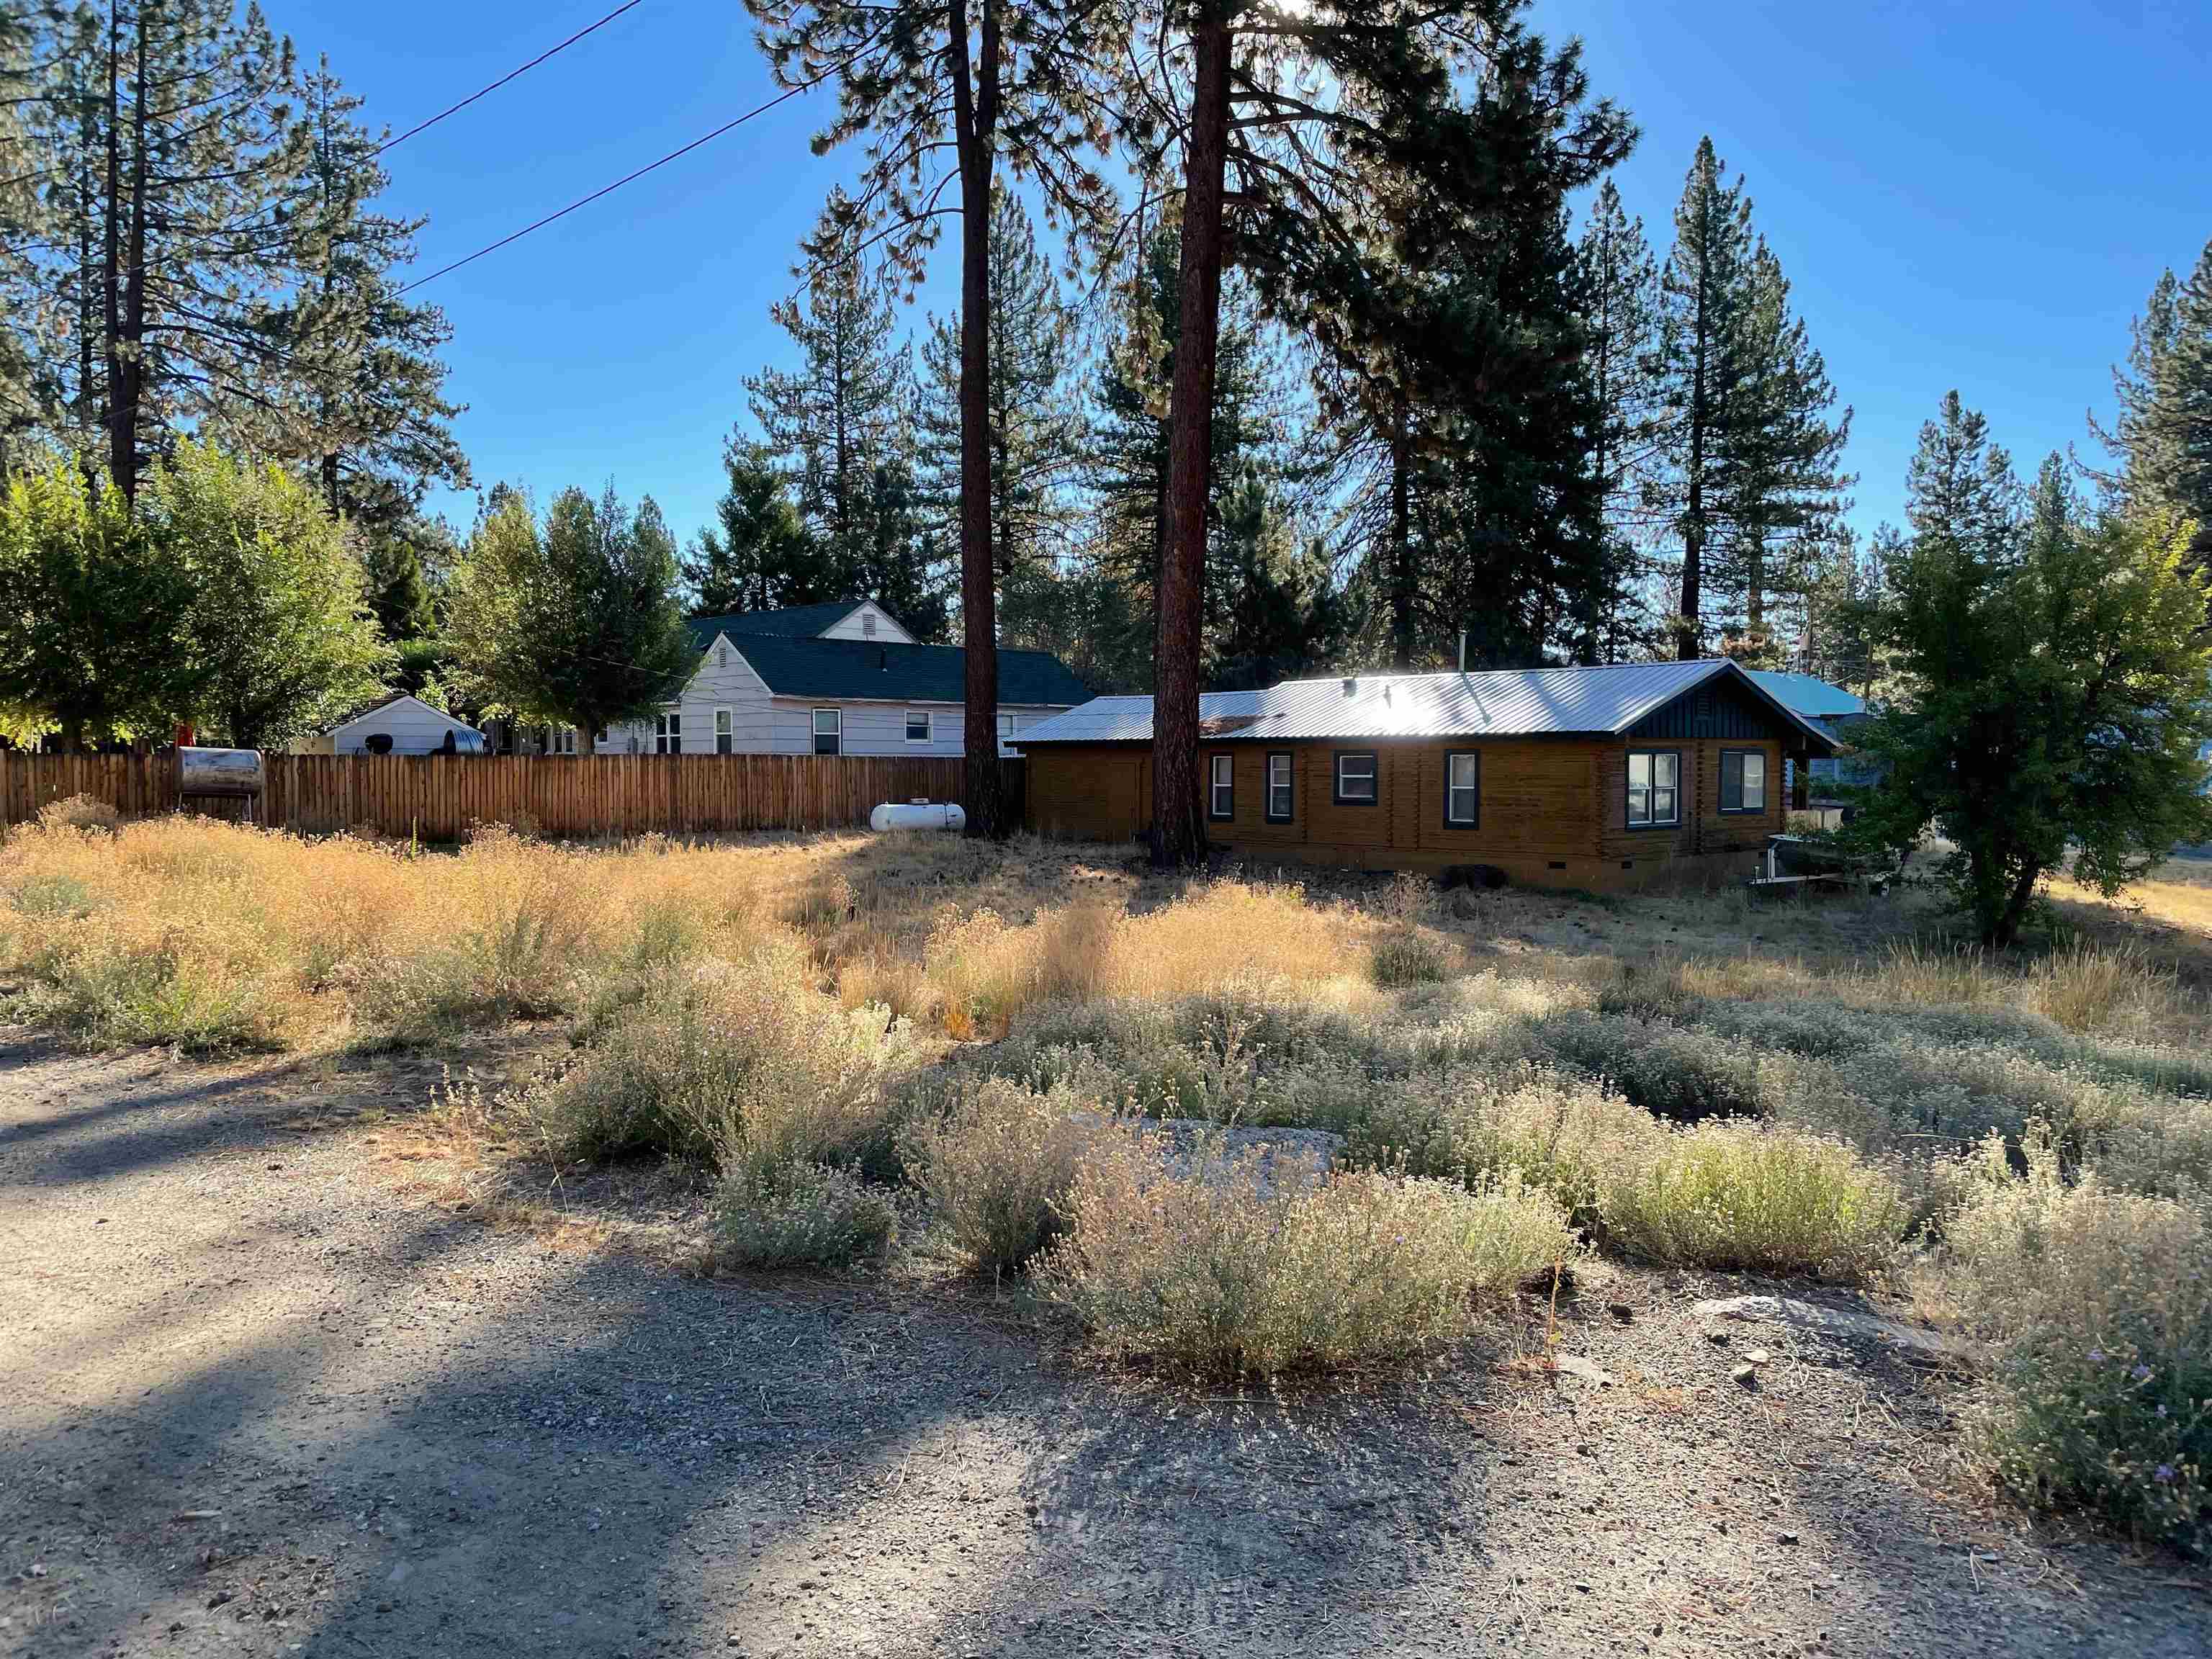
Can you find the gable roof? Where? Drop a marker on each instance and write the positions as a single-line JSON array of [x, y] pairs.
[[1803, 694], [1509, 702], [870, 670], [391, 703], [793, 622]]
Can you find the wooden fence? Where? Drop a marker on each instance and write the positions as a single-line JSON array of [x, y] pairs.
[[437, 797]]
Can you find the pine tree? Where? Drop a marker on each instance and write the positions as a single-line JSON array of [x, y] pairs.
[[1620, 323], [2163, 436], [757, 555], [844, 411], [353, 385], [397, 586], [1035, 430]]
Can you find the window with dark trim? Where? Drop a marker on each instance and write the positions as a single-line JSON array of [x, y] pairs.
[[1355, 780], [1655, 788], [668, 731], [1743, 780], [1221, 789], [917, 725], [829, 731], [1281, 799], [725, 732], [1462, 789]]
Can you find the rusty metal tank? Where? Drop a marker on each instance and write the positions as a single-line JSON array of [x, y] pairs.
[[230, 774]]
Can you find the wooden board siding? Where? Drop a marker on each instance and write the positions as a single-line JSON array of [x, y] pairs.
[[438, 797], [1553, 811]]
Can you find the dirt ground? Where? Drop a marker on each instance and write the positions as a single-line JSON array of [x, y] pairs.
[[266, 1390]]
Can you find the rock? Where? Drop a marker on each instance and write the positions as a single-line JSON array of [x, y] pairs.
[[1785, 1537], [1746, 1374], [1621, 1311], [1721, 1337], [1758, 1357], [1575, 1365], [1908, 1341]]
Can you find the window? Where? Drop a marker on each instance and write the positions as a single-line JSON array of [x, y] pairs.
[[725, 732], [1462, 789], [564, 741], [1221, 789], [829, 731], [668, 733], [1279, 796], [1743, 780], [1655, 788], [1006, 727], [917, 725], [1355, 777]]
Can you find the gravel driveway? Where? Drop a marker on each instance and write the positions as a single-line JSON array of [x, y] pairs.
[[258, 1396]]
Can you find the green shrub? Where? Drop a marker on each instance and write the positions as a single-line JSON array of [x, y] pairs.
[[1239, 1265], [1680, 1074], [105, 993], [746, 1064], [522, 960], [2101, 1303], [998, 1166], [1405, 955], [800, 1214], [1758, 1198]]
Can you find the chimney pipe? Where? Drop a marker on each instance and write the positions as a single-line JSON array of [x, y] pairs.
[[1462, 651]]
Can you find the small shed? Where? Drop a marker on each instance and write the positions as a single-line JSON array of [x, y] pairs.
[[1590, 777], [405, 726]]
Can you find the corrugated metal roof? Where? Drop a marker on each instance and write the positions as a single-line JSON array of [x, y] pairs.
[[1508, 702], [1803, 694]]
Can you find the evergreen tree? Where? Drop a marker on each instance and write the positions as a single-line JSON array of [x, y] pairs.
[[353, 387], [1035, 429], [396, 585], [845, 411], [757, 555], [2052, 668], [575, 624], [1845, 589], [1620, 323], [899, 562], [2163, 436]]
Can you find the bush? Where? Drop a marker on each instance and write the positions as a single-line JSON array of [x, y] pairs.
[[1241, 1265], [1678, 1074], [108, 991], [800, 1214], [747, 1064], [2101, 1303], [1405, 955], [79, 812], [998, 1166], [1758, 1198]]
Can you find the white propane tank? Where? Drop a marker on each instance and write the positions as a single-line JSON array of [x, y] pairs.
[[918, 815]]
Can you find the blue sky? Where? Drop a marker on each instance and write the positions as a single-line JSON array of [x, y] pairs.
[[1968, 195]]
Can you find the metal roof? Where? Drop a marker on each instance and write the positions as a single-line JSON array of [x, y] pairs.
[[1507, 702], [1803, 694]]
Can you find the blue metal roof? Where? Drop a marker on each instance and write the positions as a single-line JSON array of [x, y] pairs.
[[1802, 694]]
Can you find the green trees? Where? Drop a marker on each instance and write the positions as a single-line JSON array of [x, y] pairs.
[[575, 623], [91, 639], [2163, 436], [280, 640], [756, 555], [2051, 679], [1620, 291], [1750, 455]]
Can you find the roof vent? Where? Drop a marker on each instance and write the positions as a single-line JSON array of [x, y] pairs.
[[868, 625], [1351, 688]]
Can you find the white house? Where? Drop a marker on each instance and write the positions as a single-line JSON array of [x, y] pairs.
[[409, 726], [842, 678]]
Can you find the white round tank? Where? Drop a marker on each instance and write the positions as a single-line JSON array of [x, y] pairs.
[[918, 815]]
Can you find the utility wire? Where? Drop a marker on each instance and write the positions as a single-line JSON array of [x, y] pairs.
[[604, 190], [455, 109]]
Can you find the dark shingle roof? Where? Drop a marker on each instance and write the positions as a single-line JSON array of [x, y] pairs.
[[902, 673], [796, 621]]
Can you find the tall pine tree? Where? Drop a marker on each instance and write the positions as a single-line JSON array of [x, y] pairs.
[[757, 555], [2162, 438], [1620, 325]]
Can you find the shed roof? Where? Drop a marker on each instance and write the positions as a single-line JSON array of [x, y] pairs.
[[1805, 694], [369, 714], [873, 671], [1509, 702]]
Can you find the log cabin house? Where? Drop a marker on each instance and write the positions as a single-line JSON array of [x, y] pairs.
[[1596, 777]]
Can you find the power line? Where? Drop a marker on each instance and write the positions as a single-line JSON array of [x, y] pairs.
[[455, 109], [627, 177]]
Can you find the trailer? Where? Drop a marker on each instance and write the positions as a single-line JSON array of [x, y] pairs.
[[1798, 862]]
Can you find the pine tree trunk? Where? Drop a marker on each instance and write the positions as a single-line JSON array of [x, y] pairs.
[[1402, 532], [1178, 836], [1693, 517], [976, 111], [122, 447]]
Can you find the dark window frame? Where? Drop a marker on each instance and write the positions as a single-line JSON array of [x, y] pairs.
[[1336, 760], [1288, 758], [1452, 823], [1740, 809], [1654, 822], [668, 730], [1214, 759]]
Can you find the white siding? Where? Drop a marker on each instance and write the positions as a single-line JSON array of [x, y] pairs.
[[879, 728], [724, 680], [415, 728], [855, 626]]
